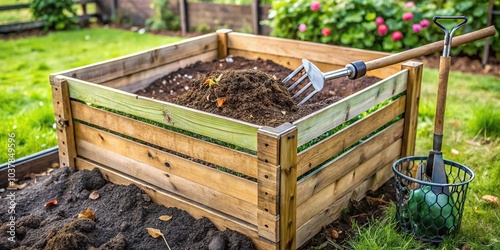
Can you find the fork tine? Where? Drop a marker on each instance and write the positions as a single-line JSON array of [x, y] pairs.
[[308, 97], [297, 82], [302, 90], [295, 72]]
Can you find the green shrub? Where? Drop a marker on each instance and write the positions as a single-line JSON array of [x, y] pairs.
[[57, 14], [163, 18], [358, 23]]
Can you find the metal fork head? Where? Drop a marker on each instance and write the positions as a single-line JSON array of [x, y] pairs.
[[311, 76]]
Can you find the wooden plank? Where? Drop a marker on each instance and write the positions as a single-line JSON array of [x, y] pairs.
[[268, 143], [169, 182], [238, 161], [6, 28], [340, 166], [293, 63], [126, 65], [241, 188], [341, 140], [314, 205], [139, 80], [64, 122], [221, 221], [15, 7], [333, 211], [218, 127], [324, 53], [288, 188], [330, 117], [412, 102]]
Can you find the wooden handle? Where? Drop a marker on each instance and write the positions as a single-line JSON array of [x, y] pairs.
[[429, 48], [444, 72]]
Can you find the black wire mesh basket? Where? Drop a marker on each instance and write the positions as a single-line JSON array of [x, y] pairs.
[[430, 211]]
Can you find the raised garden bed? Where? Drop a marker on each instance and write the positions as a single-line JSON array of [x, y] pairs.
[[262, 185]]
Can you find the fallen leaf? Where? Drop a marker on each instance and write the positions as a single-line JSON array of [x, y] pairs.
[[335, 234], [165, 217], [89, 214], [55, 165], [283, 112], [17, 186], [50, 203], [155, 233], [221, 101], [454, 152], [491, 199], [94, 195]]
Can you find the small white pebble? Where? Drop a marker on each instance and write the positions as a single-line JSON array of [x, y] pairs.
[[229, 60], [177, 83], [190, 77], [186, 88], [161, 90], [178, 75], [255, 68], [164, 82], [171, 92]]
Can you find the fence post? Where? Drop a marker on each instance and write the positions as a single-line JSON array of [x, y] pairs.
[[414, 83], [256, 16], [183, 11]]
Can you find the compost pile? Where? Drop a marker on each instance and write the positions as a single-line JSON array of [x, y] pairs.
[[47, 215], [247, 90]]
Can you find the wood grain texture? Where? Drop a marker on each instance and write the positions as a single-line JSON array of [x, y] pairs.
[[411, 107], [444, 72], [241, 188], [169, 182], [341, 140], [222, 221], [332, 116], [221, 128]]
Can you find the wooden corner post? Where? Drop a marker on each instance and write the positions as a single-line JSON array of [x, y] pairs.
[[414, 83], [63, 121], [277, 184], [222, 40]]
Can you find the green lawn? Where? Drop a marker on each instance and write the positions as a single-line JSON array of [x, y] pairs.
[[25, 65], [469, 98]]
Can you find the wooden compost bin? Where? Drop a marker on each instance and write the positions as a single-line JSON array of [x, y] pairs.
[[280, 198]]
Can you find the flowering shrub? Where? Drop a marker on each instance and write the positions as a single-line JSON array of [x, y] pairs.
[[390, 25]]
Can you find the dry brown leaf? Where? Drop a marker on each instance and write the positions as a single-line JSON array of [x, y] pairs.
[[221, 101], [50, 203], [165, 217], [89, 214], [17, 186], [94, 195], [335, 234], [155, 233], [491, 199], [55, 165]]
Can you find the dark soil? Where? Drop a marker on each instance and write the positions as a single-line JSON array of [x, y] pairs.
[[252, 90], [122, 214]]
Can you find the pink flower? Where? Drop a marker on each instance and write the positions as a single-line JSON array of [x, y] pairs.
[[379, 20], [382, 29], [407, 16], [315, 6], [326, 31], [425, 23], [397, 35], [409, 4], [302, 27], [416, 27]]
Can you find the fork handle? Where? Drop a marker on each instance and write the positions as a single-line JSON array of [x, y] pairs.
[[429, 49]]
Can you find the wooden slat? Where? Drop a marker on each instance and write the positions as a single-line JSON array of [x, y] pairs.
[[338, 167], [240, 188], [412, 102], [338, 142], [218, 127], [159, 196], [64, 122], [240, 162], [288, 188], [333, 211], [115, 68], [169, 182], [314, 205], [139, 80], [327, 118], [292, 62], [324, 53]]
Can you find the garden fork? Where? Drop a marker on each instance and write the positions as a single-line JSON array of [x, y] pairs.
[[358, 69]]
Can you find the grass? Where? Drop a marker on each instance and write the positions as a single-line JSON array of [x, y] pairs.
[[25, 65], [471, 127]]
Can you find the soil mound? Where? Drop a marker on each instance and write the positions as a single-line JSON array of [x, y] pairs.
[[248, 95], [122, 214]]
